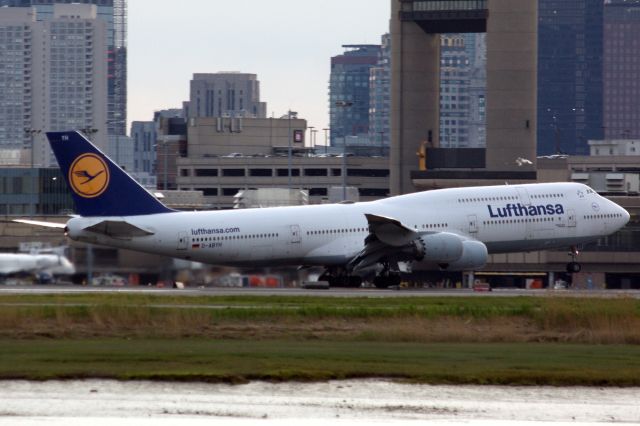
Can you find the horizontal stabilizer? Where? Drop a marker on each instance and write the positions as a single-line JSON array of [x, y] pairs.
[[118, 229], [41, 223]]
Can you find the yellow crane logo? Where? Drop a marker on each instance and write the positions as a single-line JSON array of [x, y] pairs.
[[89, 176]]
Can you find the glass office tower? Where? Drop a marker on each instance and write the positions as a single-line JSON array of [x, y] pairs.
[[349, 91], [570, 84]]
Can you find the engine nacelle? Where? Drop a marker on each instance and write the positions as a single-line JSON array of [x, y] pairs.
[[474, 257], [438, 248]]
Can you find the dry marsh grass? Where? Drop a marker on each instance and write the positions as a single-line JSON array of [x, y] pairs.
[[438, 320]]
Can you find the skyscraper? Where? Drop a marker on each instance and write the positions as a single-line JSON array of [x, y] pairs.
[[454, 92], [349, 90], [16, 77], [114, 14], [222, 94], [621, 69], [380, 96], [63, 80], [143, 134], [570, 88], [463, 86]]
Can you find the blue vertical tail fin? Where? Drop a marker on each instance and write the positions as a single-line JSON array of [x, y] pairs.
[[99, 187]]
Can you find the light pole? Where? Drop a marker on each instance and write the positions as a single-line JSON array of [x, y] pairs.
[[289, 137], [31, 133], [32, 202], [344, 172], [165, 163], [89, 132], [344, 105], [326, 139], [314, 139], [311, 134], [89, 264]]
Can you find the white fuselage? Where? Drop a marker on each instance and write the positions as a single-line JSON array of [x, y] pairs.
[[505, 218], [16, 263]]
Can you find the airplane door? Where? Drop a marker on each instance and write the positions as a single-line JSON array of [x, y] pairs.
[[296, 236], [524, 196], [571, 219], [473, 224], [183, 241]]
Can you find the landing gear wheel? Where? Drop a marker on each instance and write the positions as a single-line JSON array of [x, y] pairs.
[[380, 282], [386, 281], [343, 281], [573, 267], [337, 282], [354, 281]]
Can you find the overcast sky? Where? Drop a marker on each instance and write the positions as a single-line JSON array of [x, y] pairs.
[[288, 43]]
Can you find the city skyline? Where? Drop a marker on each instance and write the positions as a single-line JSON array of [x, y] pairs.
[[289, 49]]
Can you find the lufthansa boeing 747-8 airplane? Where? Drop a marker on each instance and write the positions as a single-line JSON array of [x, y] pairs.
[[451, 229]]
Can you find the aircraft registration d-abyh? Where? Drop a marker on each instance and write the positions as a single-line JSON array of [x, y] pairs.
[[451, 229]]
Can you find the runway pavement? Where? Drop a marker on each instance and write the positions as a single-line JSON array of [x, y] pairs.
[[360, 292]]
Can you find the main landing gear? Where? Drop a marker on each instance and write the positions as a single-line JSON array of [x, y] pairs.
[[574, 267], [341, 279], [386, 281], [387, 278]]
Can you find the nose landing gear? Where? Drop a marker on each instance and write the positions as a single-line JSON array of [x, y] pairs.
[[574, 267]]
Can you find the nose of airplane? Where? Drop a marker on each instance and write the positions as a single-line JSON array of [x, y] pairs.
[[625, 215]]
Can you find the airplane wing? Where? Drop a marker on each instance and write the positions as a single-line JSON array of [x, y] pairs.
[[41, 223], [118, 229], [390, 231], [387, 236]]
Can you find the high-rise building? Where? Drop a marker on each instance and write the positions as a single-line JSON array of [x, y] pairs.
[[16, 78], [463, 84], [114, 14], [349, 91], [476, 46], [380, 97], [454, 92], [621, 69], [570, 87], [63, 81], [226, 94], [143, 134]]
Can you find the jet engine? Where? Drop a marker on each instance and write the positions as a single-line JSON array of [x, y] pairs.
[[449, 251], [474, 256], [437, 248]]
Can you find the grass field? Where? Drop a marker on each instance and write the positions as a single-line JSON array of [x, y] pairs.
[[520, 340], [238, 361]]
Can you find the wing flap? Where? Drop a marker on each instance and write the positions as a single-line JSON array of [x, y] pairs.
[[387, 238], [118, 229], [390, 231]]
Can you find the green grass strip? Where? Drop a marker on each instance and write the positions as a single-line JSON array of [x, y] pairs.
[[558, 308], [238, 361]]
